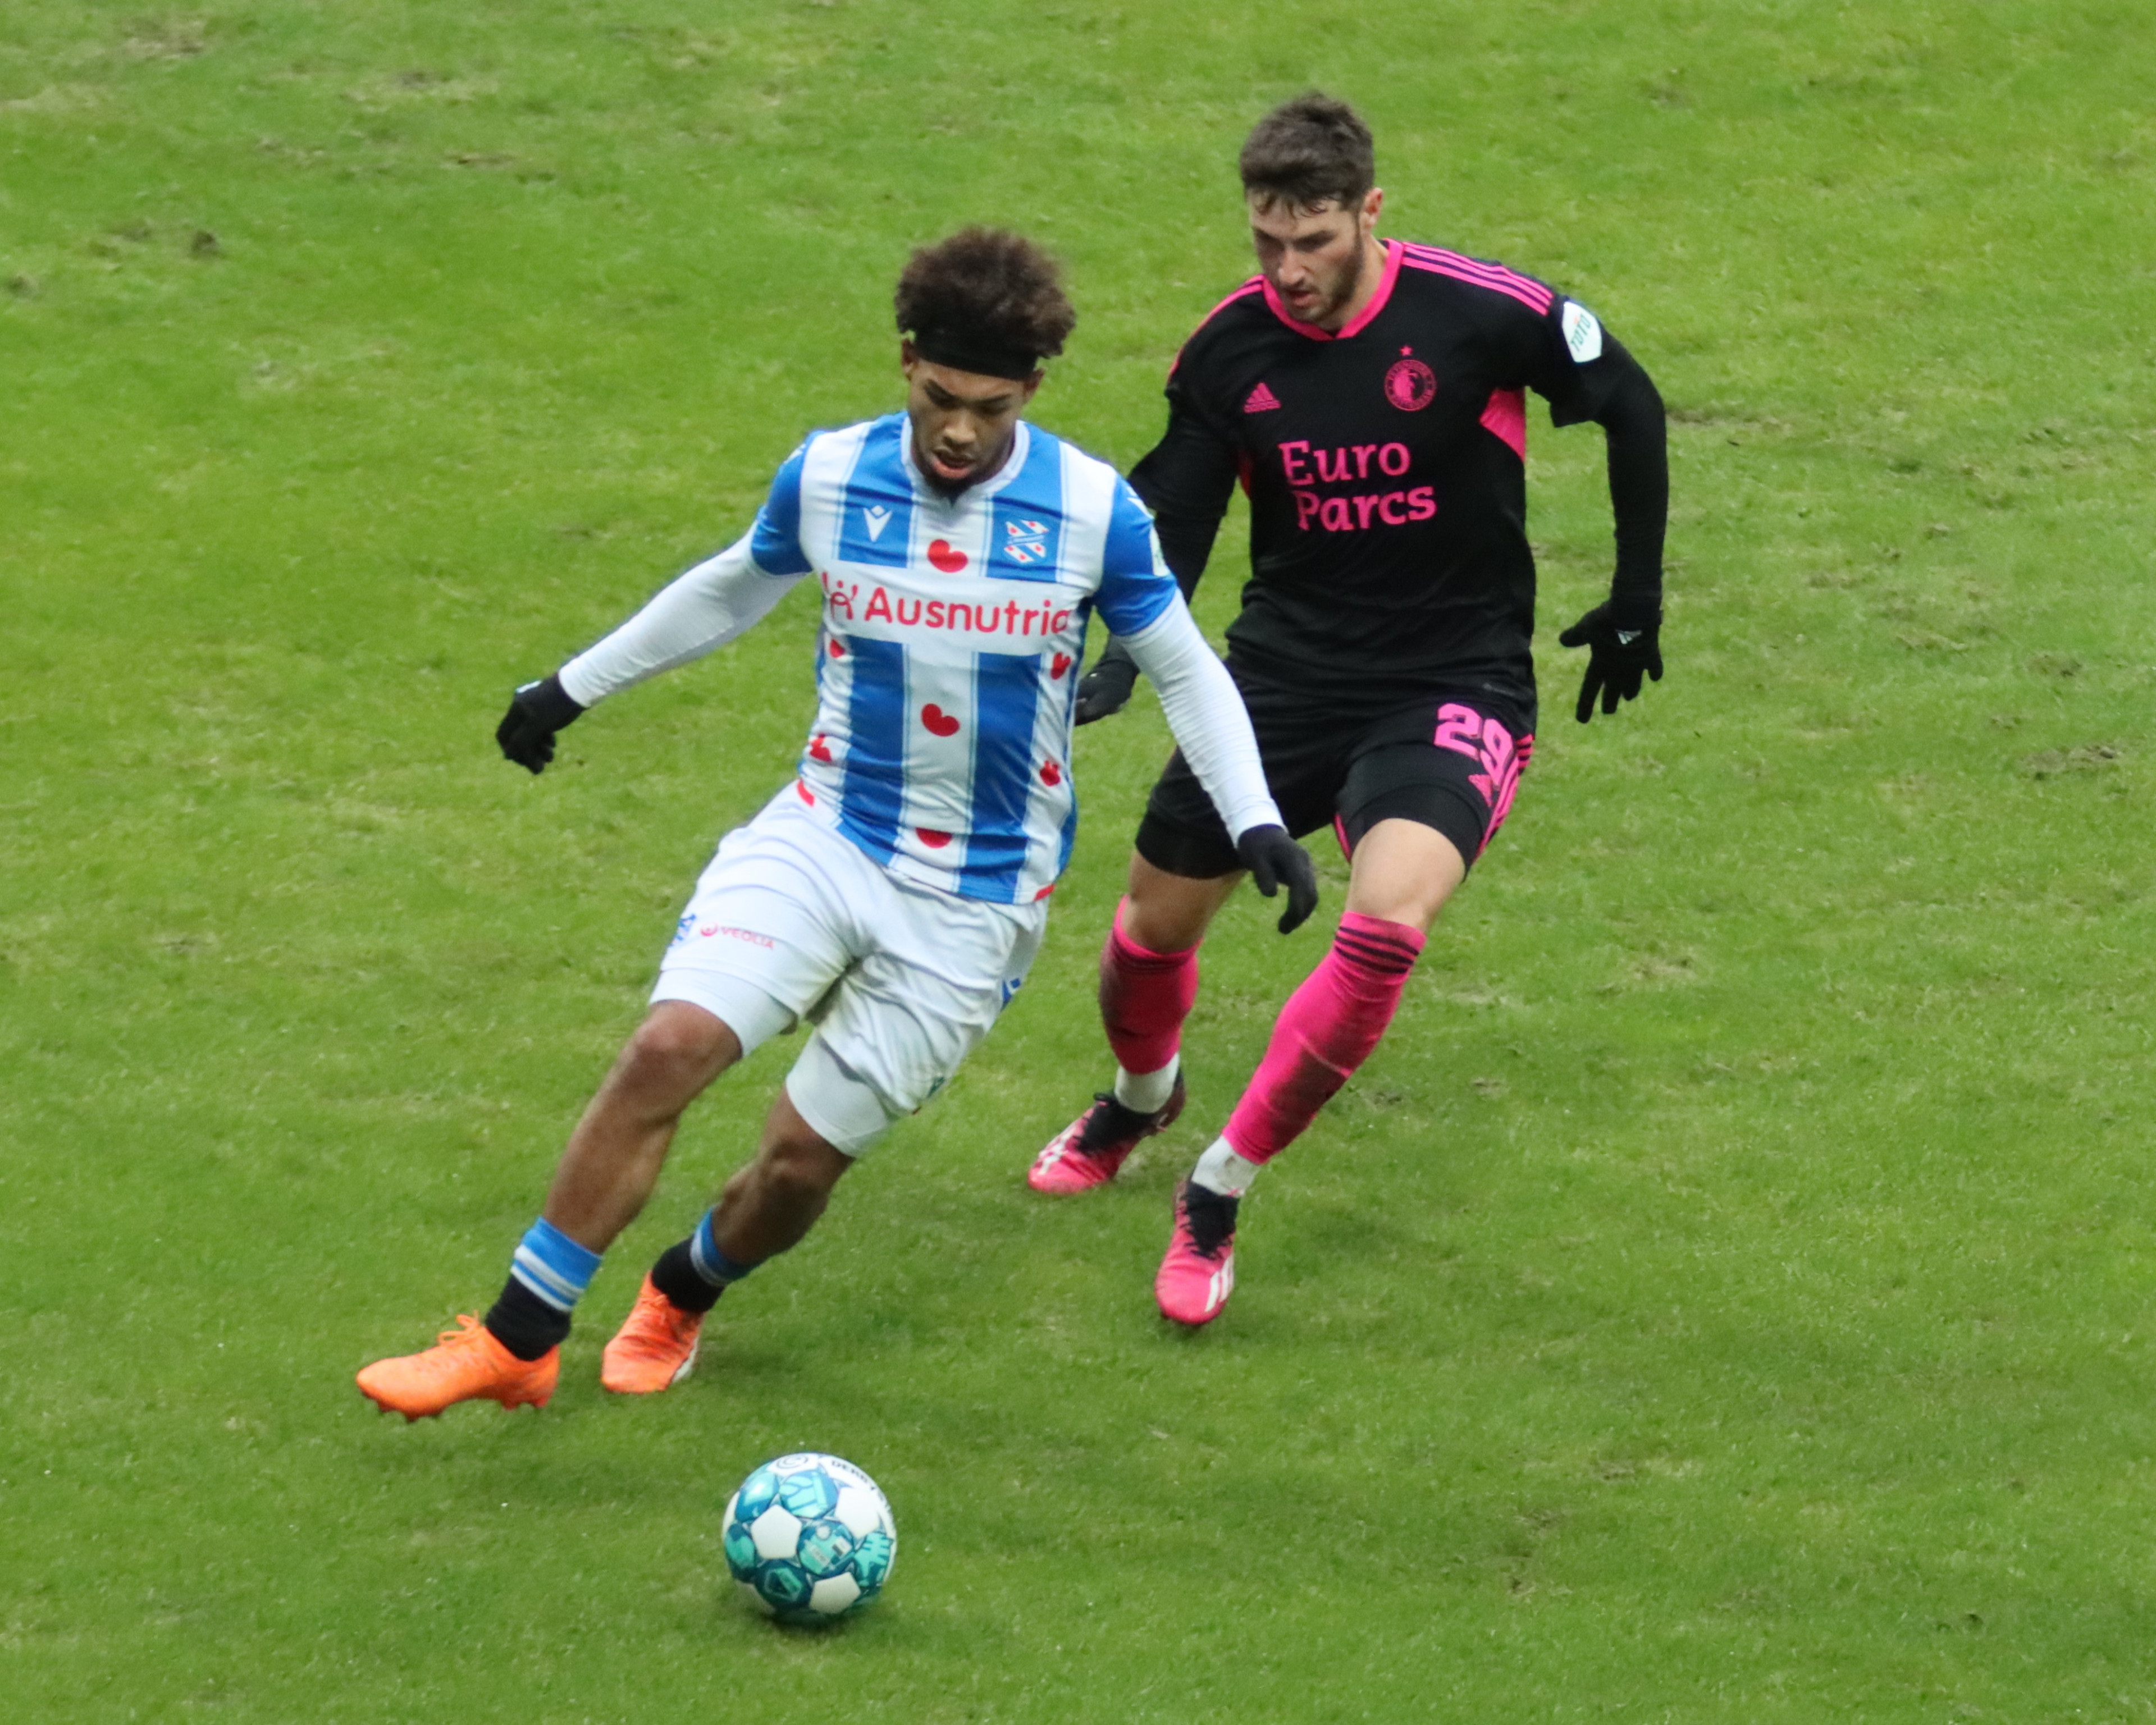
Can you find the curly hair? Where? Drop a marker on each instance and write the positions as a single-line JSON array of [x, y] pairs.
[[996, 286], [1308, 152]]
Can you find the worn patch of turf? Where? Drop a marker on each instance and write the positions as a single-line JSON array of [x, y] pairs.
[[1722, 1298]]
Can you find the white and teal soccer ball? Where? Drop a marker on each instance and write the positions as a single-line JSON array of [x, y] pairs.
[[810, 1539]]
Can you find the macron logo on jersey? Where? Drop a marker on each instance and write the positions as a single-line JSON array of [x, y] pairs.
[[1260, 400], [878, 518]]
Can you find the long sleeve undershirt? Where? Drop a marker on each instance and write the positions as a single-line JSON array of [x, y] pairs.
[[1205, 712], [696, 614]]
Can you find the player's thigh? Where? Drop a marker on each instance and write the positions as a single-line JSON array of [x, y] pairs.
[[905, 1017], [768, 929], [1305, 751], [1452, 766]]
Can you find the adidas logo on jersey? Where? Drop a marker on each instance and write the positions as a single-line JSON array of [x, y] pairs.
[[1260, 400]]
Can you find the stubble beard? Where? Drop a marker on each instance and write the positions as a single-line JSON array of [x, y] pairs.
[[1344, 295]]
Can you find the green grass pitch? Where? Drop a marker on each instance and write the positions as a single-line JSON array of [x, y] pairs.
[[1725, 1296]]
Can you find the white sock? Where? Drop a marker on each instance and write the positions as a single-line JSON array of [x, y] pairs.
[[1223, 1170], [1146, 1092]]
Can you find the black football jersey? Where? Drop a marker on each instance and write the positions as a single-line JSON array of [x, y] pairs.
[[1386, 469]]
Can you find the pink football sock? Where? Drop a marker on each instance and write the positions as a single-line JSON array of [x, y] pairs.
[[1326, 1030], [1145, 996]]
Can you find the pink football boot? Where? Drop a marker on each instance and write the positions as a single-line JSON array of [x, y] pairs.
[[1192, 1285], [1089, 1152]]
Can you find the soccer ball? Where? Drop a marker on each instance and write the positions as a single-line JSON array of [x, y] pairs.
[[809, 1537]]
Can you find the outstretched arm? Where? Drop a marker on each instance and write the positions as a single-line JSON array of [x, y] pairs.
[[702, 610], [718, 600], [711, 604]]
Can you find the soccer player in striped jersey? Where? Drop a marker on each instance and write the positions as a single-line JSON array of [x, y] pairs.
[[1370, 396], [894, 892]]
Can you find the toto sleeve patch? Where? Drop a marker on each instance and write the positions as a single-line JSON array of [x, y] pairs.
[[1582, 332]]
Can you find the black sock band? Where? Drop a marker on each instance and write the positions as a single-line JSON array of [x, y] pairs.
[[525, 1324], [1211, 1216], [674, 1275]]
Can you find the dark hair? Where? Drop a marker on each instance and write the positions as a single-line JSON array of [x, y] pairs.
[[994, 289], [1308, 151]]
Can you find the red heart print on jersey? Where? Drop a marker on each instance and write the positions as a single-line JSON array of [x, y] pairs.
[[1059, 665], [818, 750], [942, 724], [837, 651], [947, 557], [1050, 773], [932, 839]]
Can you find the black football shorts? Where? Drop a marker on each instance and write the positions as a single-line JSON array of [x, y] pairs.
[[1451, 761]]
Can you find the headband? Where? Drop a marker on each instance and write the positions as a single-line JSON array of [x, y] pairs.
[[974, 351]]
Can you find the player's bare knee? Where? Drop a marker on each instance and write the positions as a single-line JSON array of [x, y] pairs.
[[1170, 913], [678, 1046]]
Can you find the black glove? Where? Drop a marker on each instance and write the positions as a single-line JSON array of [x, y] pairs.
[[1623, 638], [535, 712], [1273, 859], [1106, 688]]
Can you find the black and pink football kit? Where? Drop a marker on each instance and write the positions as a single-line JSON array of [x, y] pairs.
[[1383, 647]]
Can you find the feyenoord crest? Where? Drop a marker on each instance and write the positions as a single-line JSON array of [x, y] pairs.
[[1410, 385], [1025, 541]]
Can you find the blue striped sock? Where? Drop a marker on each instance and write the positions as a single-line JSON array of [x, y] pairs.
[[711, 1264], [553, 1266]]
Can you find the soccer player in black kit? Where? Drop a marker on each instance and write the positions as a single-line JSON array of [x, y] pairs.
[[1370, 397]]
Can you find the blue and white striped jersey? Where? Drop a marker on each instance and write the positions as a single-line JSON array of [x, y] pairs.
[[954, 629]]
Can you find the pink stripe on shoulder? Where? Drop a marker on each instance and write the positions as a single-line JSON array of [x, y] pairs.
[[1505, 417], [1437, 261], [1255, 284]]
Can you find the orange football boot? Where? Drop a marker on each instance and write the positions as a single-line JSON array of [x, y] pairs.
[[464, 1364], [653, 1349]]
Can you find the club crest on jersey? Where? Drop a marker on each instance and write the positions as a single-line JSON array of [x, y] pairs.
[[878, 518], [1410, 385], [1025, 541]]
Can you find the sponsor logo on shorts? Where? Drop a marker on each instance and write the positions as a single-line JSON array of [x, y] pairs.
[[712, 930]]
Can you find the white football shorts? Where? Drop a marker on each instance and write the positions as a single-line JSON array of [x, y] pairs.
[[792, 921]]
